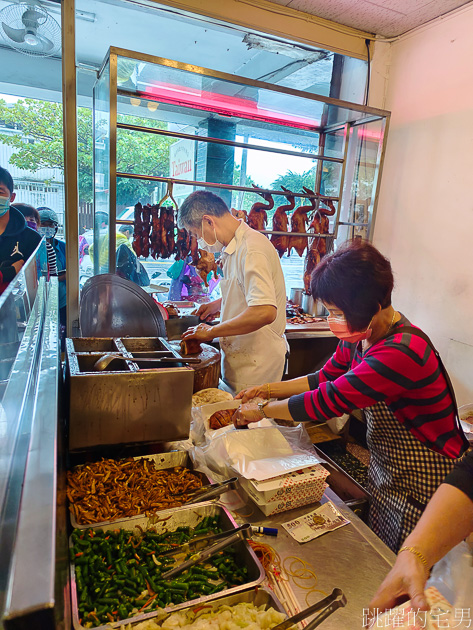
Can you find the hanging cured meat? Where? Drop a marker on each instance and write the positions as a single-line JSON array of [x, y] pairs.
[[205, 265], [182, 244], [317, 246], [194, 248], [258, 218], [170, 241], [138, 226], [280, 224], [240, 214], [166, 218], [299, 222], [155, 237], [146, 214]]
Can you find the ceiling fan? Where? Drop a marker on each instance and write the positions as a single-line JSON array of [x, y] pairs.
[[30, 29]]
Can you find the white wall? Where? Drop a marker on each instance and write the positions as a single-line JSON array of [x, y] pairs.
[[425, 212]]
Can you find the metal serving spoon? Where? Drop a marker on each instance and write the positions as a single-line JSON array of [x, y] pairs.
[[101, 364]]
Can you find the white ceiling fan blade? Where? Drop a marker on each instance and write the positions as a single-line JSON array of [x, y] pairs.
[[15, 34], [46, 44]]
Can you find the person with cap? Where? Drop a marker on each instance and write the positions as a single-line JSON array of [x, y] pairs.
[[17, 240], [48, 228]]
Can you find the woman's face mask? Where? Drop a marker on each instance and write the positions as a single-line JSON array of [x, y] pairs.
[[4, 205], [339, 327], [214, 248], [32, 225]]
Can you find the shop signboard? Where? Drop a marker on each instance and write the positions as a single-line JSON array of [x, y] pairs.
[[182, 165]]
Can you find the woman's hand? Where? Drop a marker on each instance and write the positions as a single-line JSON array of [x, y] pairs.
[[202, 332], [253, 392], [406, 580], [245, 414]]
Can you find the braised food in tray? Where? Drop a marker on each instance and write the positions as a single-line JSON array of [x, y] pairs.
[[109, 489]]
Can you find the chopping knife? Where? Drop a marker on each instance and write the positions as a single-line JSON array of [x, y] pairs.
[[176, 326]]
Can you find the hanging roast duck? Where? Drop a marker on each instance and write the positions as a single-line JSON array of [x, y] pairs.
[[317, 245], [281, 223]]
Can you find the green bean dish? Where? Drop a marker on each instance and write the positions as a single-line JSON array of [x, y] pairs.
[[118, 573]]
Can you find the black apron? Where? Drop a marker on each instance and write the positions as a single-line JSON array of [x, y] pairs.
[[403, 473]]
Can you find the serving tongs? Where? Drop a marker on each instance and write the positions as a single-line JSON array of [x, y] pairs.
[[225, 540], [328, 605], [212, 490]]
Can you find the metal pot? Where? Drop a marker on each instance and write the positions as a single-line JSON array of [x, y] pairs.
[[313, 307], [296, 296]]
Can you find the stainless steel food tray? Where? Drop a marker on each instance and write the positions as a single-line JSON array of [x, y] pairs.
[[161, 462], [169, 520], [255, 596]]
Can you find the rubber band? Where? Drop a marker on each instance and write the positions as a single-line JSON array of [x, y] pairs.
[[314, 590]]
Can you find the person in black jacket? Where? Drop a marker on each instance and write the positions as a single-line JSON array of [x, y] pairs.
[[17, 240]]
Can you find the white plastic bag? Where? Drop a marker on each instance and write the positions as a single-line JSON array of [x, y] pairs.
[[258, 453], [453, 577]]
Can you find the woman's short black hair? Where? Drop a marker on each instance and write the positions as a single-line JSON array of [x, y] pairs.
[[27, 211], [357, 279]]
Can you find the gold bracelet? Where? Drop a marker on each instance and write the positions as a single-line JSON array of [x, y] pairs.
[[418, 554], [269, 390]]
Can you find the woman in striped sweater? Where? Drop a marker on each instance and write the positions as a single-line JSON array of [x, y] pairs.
[[389, 369]]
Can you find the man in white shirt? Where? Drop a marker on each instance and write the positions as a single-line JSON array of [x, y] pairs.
[[253, 304]]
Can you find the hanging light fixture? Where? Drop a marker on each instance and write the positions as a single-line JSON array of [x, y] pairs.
[[152, 106], [136, 102]]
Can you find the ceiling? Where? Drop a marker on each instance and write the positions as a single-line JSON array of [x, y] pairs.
[[388, 18]]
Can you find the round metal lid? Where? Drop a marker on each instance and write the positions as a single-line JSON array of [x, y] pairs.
[[111, 306]]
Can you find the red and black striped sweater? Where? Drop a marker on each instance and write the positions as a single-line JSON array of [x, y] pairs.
[[401, 370]]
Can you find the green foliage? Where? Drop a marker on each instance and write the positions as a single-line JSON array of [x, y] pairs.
[[41, 122], [241, 200]]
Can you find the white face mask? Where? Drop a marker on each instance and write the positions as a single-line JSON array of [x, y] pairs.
[[212, 249]]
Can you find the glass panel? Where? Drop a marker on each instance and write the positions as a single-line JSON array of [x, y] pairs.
[[277, 135], [102, 172], [15, 308], [176, 87], [361, 180]]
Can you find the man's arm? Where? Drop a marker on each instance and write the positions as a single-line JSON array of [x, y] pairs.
[[251, 319]]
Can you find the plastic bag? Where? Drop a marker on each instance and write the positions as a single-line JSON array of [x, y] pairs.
[[336, 425], [258, 453], [452, 576]]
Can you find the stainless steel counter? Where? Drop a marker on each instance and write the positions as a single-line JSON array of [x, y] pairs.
[[351, 558]]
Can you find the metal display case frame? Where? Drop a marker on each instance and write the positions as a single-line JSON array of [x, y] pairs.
[[327, 120]]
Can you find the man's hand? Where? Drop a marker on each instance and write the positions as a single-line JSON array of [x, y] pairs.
[[17, 265], [202, 332], [253, 392], [245, 414], [406, 580], [207, 312]]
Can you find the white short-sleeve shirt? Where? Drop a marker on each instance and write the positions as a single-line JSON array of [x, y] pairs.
[[252, 277]]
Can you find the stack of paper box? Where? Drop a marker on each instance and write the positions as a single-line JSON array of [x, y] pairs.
[[289, 491]]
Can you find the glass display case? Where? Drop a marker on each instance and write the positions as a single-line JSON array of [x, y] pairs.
[[32, 526], [158, 121]]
